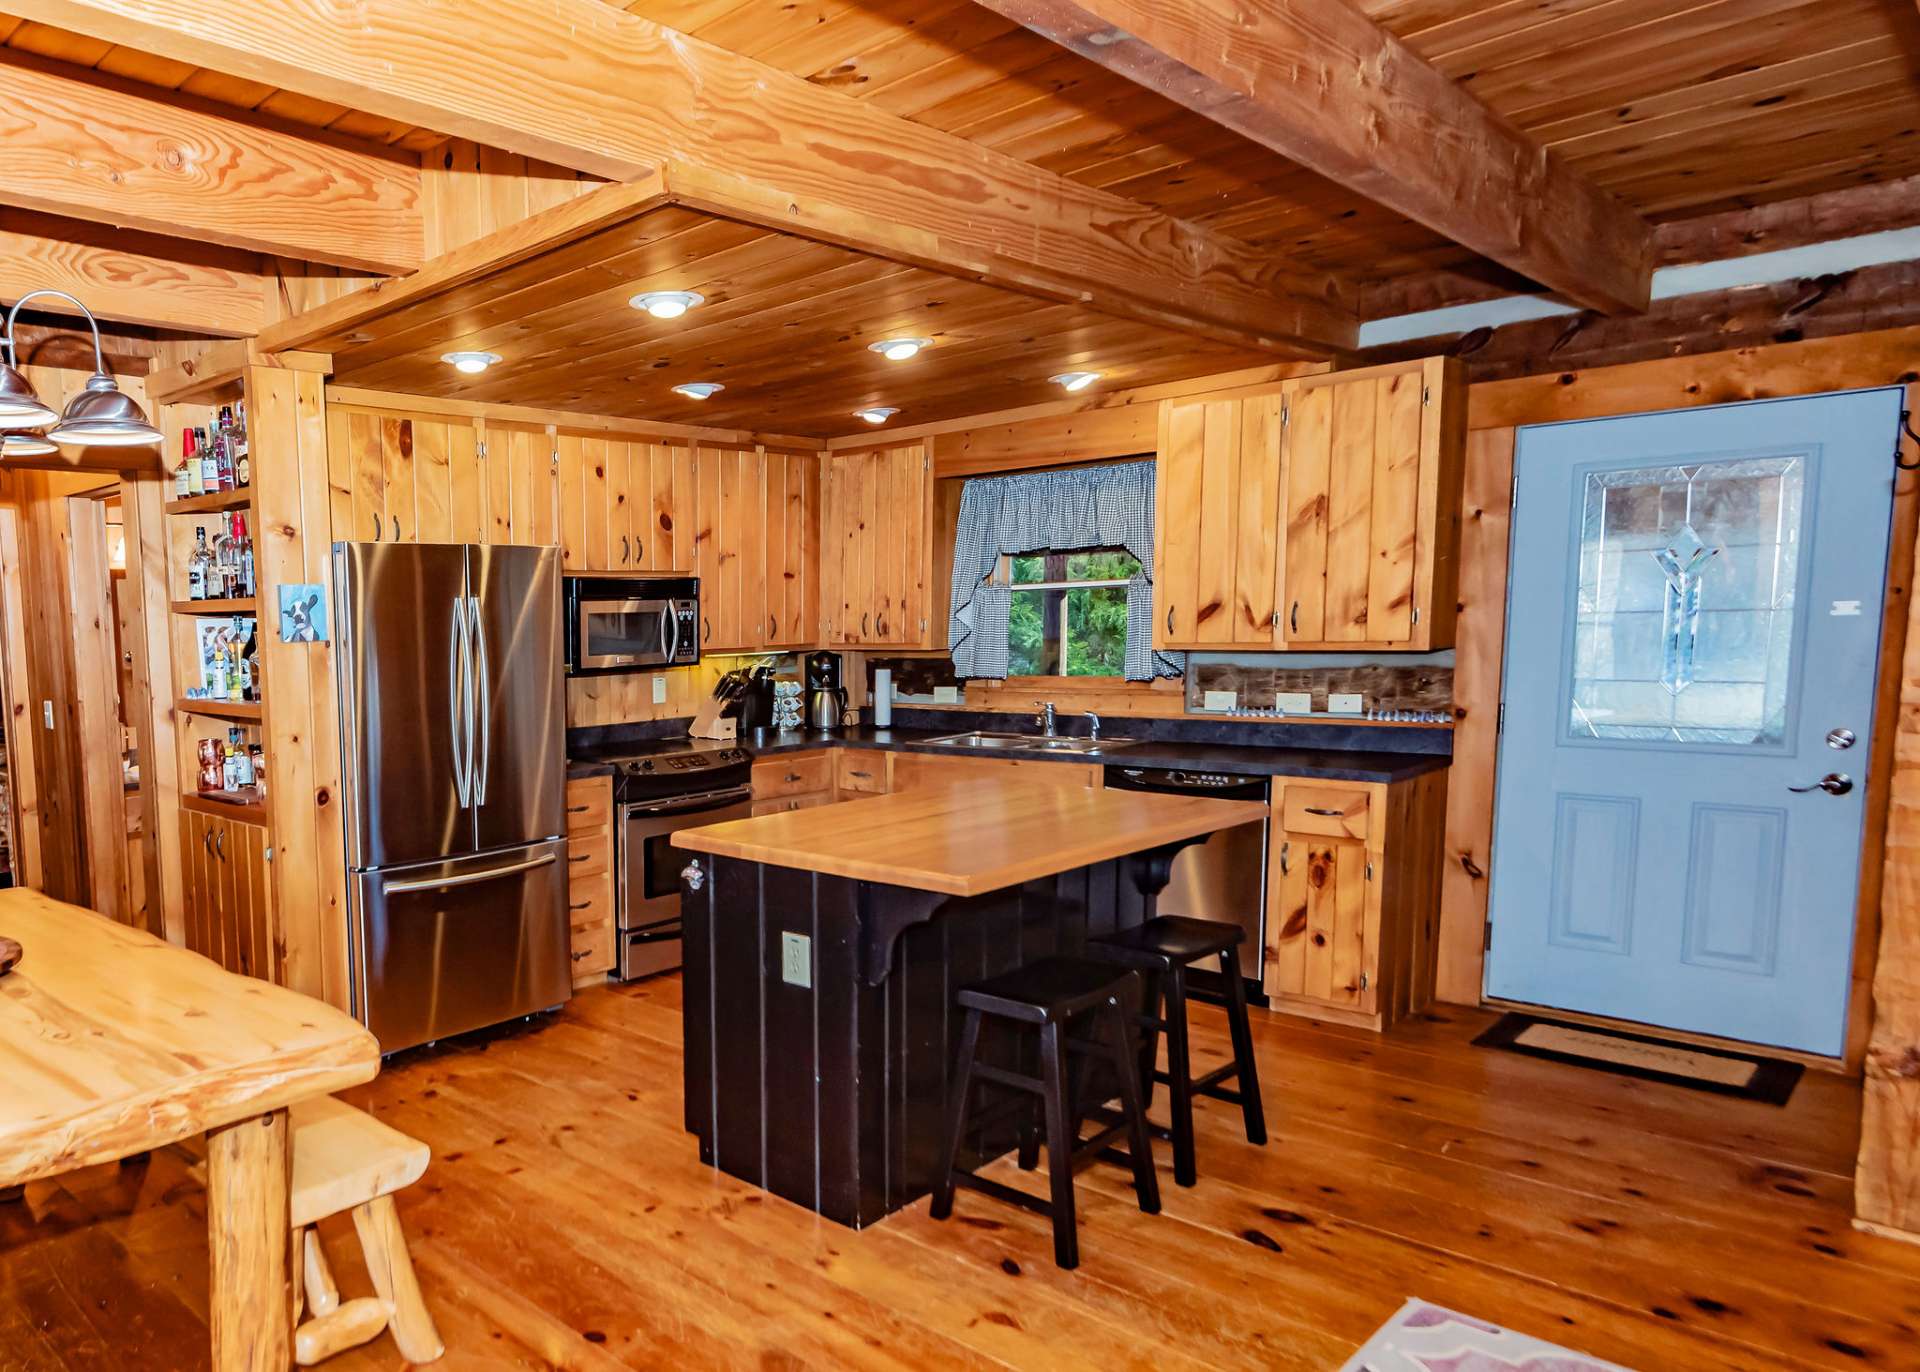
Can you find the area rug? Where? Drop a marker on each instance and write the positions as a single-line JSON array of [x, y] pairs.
[[1750, 1076], [1424, 1337]]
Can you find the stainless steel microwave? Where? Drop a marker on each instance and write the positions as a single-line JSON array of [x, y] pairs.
[[632, 622]]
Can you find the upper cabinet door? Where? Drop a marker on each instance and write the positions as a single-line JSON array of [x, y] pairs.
[[877, 516], [789, 603], [1217, 523], [1373, 469]]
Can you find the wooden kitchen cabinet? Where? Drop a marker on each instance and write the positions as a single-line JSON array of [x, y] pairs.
[[1353, 898], [1323, 515], [590, 877], [225, 881], [793, 781], [786, 600], [877, 547]]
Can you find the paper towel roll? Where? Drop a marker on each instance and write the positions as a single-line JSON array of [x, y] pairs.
[[882, 697]]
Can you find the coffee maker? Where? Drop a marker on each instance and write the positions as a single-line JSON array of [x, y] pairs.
[[826, 697]]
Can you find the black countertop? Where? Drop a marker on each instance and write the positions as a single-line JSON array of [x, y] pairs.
[[1320, 764]]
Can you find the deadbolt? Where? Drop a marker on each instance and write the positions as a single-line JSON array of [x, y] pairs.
[[1833, 783], [1840, 738]]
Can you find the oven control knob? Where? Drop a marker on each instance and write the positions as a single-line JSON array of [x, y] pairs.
[[647, 766]]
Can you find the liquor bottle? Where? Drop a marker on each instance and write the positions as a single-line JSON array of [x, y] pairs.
[[242, 463], [216, 668], [244, 548], [248, 656], [220, 579], [199, 566], [204, 453], [239, 665], [189, 468], [223, 448]]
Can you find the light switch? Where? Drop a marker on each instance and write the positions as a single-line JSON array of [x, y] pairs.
[[796, 959], [659, 689]]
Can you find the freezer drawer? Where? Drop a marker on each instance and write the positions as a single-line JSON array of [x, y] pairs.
[[443, 947]]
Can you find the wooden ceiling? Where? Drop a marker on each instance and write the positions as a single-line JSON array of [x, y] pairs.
[[785, 329], [1682, 107]]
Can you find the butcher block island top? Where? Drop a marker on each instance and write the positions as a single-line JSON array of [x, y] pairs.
[[113, 1042], [969, 839]]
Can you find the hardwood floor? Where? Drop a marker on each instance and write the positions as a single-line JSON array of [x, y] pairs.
[[566, 1222]]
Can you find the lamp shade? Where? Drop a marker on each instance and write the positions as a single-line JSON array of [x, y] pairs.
[[26, 445], [103, 416], [20, 408]]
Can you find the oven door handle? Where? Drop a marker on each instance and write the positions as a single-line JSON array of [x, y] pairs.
[[681, 805]]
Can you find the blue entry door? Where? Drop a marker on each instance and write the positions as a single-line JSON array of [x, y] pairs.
[[1693, 625]]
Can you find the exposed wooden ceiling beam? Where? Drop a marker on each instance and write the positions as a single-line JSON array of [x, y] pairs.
[[92, 147], [586, 85], [136, 278], [1322, 84]]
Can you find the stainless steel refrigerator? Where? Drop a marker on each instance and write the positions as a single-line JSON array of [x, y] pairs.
[[452, 740]]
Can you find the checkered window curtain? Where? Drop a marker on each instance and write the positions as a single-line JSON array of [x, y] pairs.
[[1092, 507]]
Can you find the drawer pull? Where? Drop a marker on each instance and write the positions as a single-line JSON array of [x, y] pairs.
[[578, 809], [580, 905], [583, 954], [864, 776], [581, 857], [1326, 813], [791, 776]]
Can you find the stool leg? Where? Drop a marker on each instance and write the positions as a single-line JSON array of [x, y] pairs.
[[1031, 1119], [956, 1116], [322, 1294], [391, 1268], [1053, 1066], [1249, 1073], [1146, 1183], [1180, 1069], [1149, 1037]]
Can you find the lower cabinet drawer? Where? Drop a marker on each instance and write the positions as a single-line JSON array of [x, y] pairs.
[[589, 804], [592, 950], [863, 769], [588, 855], [1315, 810], [590, 901], [779, 805], [792, 775]]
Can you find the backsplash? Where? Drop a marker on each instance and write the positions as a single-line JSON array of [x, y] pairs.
[[1421, 688]]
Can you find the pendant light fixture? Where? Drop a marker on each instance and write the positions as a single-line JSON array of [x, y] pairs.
[[26, 445], [102, 415]]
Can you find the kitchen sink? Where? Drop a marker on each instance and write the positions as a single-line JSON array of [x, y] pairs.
[[1033, 743]]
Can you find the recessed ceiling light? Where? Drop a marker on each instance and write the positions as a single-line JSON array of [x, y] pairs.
[[470, 363], [899, 349], [1075, 381], [667, 304], [27, 445], [876, 414], [699, 390]]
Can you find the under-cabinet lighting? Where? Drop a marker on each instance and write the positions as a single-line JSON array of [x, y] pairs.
[[667, 304], [899, 349], [1075, 381], [876, 414], [699, 390], [470, 363]]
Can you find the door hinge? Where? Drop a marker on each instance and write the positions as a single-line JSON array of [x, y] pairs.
[[553, 462], [1286, 414], [480, 451], [1369, 871], [1416, 614], [1426, 395], [1486, 940], [1363, 981]]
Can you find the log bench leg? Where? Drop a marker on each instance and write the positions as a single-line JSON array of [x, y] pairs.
[[391, 1267], [251, 1318], [322, 1294]]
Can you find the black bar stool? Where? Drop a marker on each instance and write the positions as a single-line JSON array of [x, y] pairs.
[[1050, 995], [1161, 950]]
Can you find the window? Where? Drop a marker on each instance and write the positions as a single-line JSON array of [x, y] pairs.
[[1069, 611]]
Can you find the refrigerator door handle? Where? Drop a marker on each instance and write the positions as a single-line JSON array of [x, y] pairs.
[[400, 888], [481, 700], [456, 680]]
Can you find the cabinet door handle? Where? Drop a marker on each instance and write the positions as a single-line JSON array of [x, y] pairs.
[[1329, 814], [626, 549], [863, 625], [706, 629], [1293, 618], [1169, 621], [1285, 848], [773, 628], [206, 840], [220, 844]]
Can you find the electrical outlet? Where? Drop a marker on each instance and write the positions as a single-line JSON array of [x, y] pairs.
[[796, 959], [659, 690]]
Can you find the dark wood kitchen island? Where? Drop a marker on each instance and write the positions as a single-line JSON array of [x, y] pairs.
[[824, 947]]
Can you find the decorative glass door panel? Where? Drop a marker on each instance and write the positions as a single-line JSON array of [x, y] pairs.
[[1693, 621], [1684, 611]]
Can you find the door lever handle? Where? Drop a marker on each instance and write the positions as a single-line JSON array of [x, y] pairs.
[[1833, 783]]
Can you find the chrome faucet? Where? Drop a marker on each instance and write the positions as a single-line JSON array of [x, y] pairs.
[[1049, 725], [1093, 723]]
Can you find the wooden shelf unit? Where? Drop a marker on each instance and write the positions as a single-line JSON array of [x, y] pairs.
[[248, 605], [251, 811], [240, 498], [240, 711]]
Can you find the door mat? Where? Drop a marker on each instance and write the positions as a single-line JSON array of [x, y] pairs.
[[1749, 1076], [1424, 1337]]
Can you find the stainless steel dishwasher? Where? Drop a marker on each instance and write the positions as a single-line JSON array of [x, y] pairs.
[[1224, 878]]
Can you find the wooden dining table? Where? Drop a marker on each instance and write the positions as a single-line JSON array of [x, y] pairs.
[[113, 1043]]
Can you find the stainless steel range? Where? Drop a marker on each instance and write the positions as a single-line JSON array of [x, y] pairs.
[[659, 788]]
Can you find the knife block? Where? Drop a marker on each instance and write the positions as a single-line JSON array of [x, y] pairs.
[[709, 724]]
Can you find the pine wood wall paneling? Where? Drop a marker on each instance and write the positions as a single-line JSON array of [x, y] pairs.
[[23, 775], [143, 516], [101, 799]]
